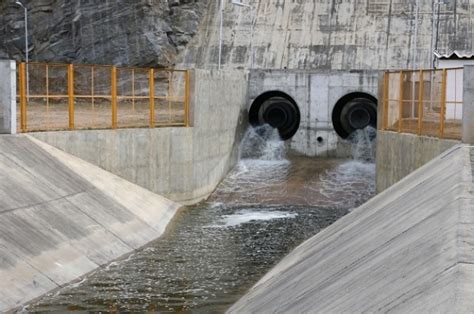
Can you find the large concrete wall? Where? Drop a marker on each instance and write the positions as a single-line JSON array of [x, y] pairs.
[[7, 96], [329, 34], [61, 217], [400, 154], [316, 93], [183, 164], [410, 249]]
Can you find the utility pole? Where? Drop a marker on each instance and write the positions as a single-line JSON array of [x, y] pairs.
[[26, 46]]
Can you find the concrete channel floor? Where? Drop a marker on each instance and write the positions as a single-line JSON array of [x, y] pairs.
[[61, 217], [409, 249]]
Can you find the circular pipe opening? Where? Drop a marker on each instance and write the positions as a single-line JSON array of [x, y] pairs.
[[358, 117], [353, 112], [278, 110]]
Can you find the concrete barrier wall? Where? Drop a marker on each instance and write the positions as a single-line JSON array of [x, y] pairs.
[[399, 154], [183, 164], [61, 218], [7, 96]]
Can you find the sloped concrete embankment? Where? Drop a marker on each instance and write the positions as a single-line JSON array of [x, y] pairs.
[[409, 249], [182, 164], [61, 218]]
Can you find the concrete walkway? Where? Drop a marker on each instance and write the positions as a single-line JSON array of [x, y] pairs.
[[409, 249], [61, 218]]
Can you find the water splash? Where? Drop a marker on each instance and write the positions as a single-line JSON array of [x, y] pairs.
[[363, 144], [353, 182], [262, 143]]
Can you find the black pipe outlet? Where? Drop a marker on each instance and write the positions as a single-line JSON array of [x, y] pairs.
[[353, 112], [278, 110]]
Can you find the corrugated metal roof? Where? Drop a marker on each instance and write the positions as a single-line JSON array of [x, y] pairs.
[[454, 55]]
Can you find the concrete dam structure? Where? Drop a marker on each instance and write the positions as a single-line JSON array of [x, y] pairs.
[[175, 177]]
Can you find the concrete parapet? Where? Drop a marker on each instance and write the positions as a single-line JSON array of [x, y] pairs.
[[7, 96], [410, 249], [399, 154], [61, 217]]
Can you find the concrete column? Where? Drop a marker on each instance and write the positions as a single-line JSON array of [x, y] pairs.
[[380, 108], [7, 96], [468, 105]]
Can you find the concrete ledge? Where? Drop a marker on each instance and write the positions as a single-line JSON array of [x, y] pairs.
[[61, 218]]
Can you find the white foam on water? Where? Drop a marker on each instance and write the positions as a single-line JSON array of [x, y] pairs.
[[245, 216], [262, 143]]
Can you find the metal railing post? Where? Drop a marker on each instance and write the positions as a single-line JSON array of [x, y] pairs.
[[421, 87], [114, 96], [70, 94], [400, 103], [22, 79], [152, 97], [443, 104]]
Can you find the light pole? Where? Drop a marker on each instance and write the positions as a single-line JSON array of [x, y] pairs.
[[235, 2], [26, 45]]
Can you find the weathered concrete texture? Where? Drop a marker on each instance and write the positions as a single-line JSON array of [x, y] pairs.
[[400, 154], [315, 93], [468, 105], [61, 218], [328, 34], [410, 250], [7, 97], [183, 164], [139, 32]]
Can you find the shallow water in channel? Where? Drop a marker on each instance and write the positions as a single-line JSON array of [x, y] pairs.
[[214, 252]]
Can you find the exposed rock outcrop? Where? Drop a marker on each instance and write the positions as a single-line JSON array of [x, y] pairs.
[[123, 32]]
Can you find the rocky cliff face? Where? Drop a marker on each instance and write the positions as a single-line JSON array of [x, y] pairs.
[[121, 32]]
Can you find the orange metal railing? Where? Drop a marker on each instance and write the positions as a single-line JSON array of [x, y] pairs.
[[72, 97], [423, 102]]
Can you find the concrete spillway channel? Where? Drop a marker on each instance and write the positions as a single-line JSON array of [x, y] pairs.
[[410, 249], [61, 218]]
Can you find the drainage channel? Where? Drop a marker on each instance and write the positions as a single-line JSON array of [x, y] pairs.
[[215, 251]]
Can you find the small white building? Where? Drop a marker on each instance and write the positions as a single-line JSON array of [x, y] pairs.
[[455, 63], [454, 59]]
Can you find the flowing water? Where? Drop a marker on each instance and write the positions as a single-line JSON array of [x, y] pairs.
[[214, 252]]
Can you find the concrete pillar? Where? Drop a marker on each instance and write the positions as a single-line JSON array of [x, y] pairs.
[[468, 105], [7, 96], [380, 107]]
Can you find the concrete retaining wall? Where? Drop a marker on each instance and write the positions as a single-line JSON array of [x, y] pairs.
[[399, 154], [61, 217], [410, 249], [183, 164], [316, 93], [7, 96]]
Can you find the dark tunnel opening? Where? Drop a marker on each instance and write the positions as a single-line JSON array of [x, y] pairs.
[[277, 109], [353, 112]]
